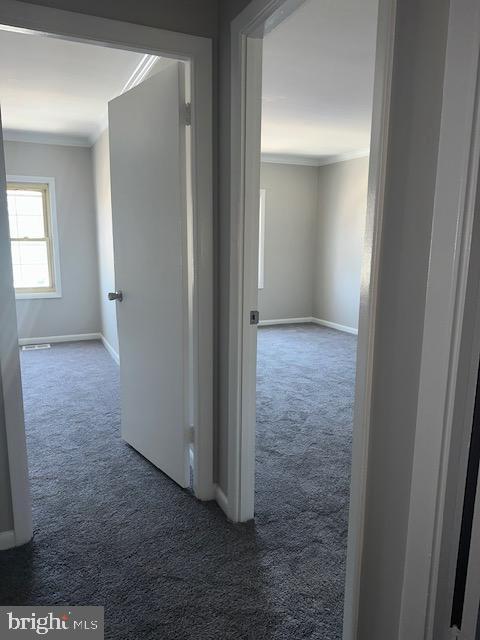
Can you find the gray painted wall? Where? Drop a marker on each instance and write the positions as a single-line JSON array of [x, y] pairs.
[[103, 206], [290, 223], [314, 228], [77, 311], [197, 17], [420, 46], [342, 206]]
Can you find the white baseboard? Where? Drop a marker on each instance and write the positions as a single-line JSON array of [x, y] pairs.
[[7, 540], [110, 349], [311, 320], [334, 325], [70, 338], [222, 500], [267, 323]]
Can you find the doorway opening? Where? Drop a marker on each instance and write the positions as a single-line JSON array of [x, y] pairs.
[[94, 248], [308, 140], [317, 94], [73, 112]]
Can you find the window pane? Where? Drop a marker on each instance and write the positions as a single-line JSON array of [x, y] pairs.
[[33, 253], [30, 264], [15, 253], [25, 213], [12, 215]]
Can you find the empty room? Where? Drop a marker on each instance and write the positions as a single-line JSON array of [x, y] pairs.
[[313, 204], [98, 170]]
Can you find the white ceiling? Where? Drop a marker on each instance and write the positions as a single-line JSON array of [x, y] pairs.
[[318, 68], [58, 89]]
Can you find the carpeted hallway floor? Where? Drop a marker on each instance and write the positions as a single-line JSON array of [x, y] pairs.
[[112, 530]]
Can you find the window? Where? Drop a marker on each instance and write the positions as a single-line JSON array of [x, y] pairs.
[[261, 240], [31, 216]]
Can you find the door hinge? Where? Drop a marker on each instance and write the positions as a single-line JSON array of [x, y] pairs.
[[191, 434], [254, 317], [188, 114]]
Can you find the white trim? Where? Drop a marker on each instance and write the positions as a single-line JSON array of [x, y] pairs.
[[313, 161], [57, 276], [74, 337], [222, 500], [110, 349], [140, 71], [245, 100], [335, 325], [41, 137], [138, 75], [371, 268], [37, 295], [450, 257], [167, 44], [309, 320], [245, 122], [7, 539], [281, 158], [268, 323]]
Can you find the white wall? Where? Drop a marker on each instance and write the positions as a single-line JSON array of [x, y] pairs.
[[290, 222], [103, 205], [342, 206], [77, 311]]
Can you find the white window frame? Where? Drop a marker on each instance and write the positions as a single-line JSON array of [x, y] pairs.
[[261, 240], [55, 246]]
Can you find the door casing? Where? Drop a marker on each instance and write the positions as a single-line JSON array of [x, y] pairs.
[[246, 69], [198, 51]]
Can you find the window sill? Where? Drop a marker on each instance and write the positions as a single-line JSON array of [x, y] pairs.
[[34, 295]]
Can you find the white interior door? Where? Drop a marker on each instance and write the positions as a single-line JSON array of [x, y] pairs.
[[148, 167]]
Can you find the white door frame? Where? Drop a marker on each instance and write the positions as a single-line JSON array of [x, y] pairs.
[[246, 33], [449, 257], [198, 51]]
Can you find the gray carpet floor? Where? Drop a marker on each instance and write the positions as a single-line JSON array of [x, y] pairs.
[[111, 530]]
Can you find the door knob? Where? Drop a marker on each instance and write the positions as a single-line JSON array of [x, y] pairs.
[[115, 295]]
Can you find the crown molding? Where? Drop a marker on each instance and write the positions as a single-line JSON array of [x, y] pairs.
[[103, 126], [140, 72], [37, 137], [277, 158], [313, 161]]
